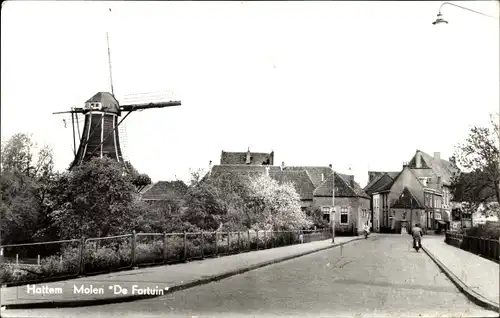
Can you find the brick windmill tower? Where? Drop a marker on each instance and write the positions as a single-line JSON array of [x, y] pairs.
[[100, 136]]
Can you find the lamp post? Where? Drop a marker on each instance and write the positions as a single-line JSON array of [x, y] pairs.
[[440, 20], [332, 210]]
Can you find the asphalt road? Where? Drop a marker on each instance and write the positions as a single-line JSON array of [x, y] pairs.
[[379, 277]]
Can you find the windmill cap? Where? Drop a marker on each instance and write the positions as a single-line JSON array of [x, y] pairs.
[[107, 100]]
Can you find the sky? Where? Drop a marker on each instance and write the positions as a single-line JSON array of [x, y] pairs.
[[358, 85]]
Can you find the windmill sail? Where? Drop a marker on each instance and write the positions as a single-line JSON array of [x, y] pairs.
[[122, 133]]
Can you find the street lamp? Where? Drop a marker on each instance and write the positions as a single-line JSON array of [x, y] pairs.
[[440, 19], [332, 210]]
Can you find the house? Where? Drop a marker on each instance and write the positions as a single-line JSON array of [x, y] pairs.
[[379, 184], [442, 175], [247, 158], [407, 211], [165, 192], [425, 188], [314, 184]]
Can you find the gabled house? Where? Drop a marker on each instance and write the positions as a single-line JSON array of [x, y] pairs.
[[247, 158], [407, 210], [425, 187], [378, 188], [351, 205], [441, 176], [169, 193]]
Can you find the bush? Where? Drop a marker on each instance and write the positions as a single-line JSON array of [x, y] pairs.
[[101, 259], [11, 273], [149, 252], [490, 231]]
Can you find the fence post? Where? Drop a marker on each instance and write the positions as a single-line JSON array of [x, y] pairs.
[[257, 239], [165, 255], [272, 238], [216, 243], [265, 240], [239, 242], [228, 242], [82, 255], [202, 246], [38, 261], [134, 242], [60, 259], [17, 259], [185, 246], [249, 245]]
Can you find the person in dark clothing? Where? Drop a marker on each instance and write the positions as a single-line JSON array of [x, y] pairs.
[[417, 234]]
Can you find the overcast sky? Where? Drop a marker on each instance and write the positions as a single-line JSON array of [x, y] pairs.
[[361, 84]]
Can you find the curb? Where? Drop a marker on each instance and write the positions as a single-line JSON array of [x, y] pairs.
[[466, 290], [202, 281]]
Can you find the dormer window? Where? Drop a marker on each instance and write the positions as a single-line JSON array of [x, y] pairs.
[[424, 181]]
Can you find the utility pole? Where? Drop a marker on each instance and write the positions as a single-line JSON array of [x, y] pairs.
[[332, 210]]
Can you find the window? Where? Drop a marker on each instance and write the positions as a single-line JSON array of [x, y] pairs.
[[424, 181], [344, 215]]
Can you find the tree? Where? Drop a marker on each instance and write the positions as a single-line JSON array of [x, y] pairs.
[[281, 205], [22, 154], [215, 201], [478, 157], [26, 174], [98, 200], [316, 216], [19, 207], [139, 180]]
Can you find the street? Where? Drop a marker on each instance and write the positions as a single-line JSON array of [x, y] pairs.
[[381, 276]]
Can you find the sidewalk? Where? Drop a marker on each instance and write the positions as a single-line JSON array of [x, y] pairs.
[[477, 277], [152, 281]]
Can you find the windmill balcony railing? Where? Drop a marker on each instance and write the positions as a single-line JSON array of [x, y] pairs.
[[57, 260]]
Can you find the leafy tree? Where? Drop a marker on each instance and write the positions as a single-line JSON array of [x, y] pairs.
[[315, 216], [98, 200], [224, 202], [161, 217], [19, 209], [478, 156], [22, 154], [26, 174], [139, 180], [281, 205], [197, 176]]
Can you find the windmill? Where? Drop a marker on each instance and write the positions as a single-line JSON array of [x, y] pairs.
[[101, 134]]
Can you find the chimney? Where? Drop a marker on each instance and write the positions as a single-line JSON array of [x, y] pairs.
[[271, 158], [330, 165], [372, 175], [210, 165], [418, 160], [282, 165], [437, 156], [351, 181], [249, 158]]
